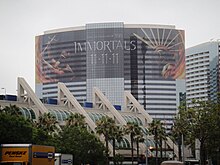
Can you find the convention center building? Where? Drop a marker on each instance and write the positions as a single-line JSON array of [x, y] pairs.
[[66, 104]]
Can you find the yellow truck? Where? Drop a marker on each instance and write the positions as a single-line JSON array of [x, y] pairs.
[[26, 154]]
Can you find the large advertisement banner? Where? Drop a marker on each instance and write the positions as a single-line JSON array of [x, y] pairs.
[[101, 52], [60, 57], [105, 52], [50, 65], [165, 49]]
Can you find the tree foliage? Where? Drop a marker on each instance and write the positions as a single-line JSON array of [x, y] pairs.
[[200, 121], [157, 129], [47, 122], [85, 147], [72, 139], [12, 110], [77, 120], [133, 130], [45, 130], [116, 135], [15, 129], [105, 127]]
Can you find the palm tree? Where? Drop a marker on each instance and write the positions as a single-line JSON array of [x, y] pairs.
[[162, 137], [12, 110], [105, 126], [174, 136], [116, 135], [77, 120], [48, 123], [154, 129], [139, 138], [132, 129]]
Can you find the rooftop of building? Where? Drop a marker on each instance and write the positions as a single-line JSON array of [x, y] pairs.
[[109, 25]]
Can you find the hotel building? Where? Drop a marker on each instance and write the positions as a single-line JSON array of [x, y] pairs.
[[202, 71], [147, 60]]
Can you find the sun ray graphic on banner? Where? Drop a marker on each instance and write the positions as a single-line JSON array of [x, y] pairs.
[[161, 41]]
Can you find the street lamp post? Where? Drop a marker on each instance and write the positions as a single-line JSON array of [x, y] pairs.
[[5, 92], [146, 150], [4, 89], [183, 159]]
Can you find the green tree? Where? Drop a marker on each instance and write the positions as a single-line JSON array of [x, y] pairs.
[[45, 130], [105, 126], [200, 121], [116, 135], [14, 128], [179, 129], [132, 129], [155, 129], [213, 144], [118, 159], [175, 136], [138, 138], [162, 137], [85, 147], [12, 110], [47, 122], [76, 119]]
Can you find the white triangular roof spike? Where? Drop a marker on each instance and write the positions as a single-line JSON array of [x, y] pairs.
[[26, 94], [131, 101], [64, 93], [100, 97]]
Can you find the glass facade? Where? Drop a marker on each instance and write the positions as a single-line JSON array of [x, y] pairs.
[[147, 60], [27, 113]]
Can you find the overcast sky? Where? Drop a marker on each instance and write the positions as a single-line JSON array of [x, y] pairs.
[[22, 20]]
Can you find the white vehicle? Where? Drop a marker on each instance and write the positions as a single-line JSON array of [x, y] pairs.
[[171, 162], [63, 159]]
